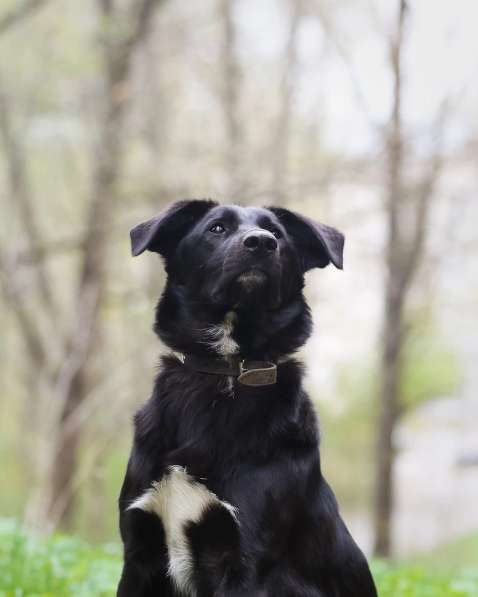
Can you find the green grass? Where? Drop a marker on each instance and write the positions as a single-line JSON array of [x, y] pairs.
[[62, 566], [59, 566], [419, 582], [461, 554]]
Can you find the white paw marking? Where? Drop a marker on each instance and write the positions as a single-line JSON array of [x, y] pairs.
[[178, 499]]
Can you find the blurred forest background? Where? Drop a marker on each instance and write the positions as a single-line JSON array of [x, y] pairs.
[[362, 114]]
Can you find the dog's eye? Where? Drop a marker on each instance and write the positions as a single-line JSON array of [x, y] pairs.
[[217, 228], [276, 232]]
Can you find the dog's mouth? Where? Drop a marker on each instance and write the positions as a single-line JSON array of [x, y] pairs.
[[251, 288], [252, 279]]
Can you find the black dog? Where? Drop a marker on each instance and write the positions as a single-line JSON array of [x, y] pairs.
[[224, 494]]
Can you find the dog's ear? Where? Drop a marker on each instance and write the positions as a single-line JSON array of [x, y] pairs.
[[317, 243], [162, 233]]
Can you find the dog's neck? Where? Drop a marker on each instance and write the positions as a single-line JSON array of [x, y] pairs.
[[219, 337], [194, 328]]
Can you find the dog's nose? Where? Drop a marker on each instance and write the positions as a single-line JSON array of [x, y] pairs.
[[260, 241]]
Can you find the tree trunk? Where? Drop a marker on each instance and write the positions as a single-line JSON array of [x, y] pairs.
[[117, 55], [231, 87], [388, 417], [280, 149], [395, 293]]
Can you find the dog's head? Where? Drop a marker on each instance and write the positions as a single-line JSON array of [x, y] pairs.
[[231, 258]]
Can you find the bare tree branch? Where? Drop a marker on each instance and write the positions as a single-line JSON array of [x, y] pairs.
[[19, 13], [32, 256], [121, 32], [20, 191], [280, 149], [124, 39], [26, 321], [343, 53], [425, 194], [142, 17], [230, 97]]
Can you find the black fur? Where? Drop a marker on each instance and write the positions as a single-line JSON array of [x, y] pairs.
[[255, 448]]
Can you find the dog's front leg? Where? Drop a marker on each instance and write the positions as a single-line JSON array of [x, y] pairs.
[[132, 583], [200, 533], [145, 570], [135, 583]]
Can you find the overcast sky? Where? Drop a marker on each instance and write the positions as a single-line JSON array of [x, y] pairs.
[[441, 59]]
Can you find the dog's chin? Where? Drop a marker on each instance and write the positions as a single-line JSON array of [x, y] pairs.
[[252, 289], [251, 281]]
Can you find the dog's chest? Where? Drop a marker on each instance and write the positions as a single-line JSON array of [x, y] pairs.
[[238, 467]]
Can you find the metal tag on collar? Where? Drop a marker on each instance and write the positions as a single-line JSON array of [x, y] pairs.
[[257, 373]]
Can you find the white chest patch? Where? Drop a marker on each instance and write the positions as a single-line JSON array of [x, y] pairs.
[[219, 336], [178, 499]]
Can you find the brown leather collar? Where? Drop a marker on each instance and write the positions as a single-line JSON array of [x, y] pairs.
[[248, 373]]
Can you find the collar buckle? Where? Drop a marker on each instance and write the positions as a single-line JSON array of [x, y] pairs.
[[257, 373]]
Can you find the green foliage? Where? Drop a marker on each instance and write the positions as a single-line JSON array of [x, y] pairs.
[[430, 368], [460, 554], [55, 567], [62, 566], [347, 439], [414, 582]]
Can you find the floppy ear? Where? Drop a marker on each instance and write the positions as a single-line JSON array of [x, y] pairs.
[[317, 243], [162, 233]]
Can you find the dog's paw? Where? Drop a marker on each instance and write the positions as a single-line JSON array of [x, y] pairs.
[[183, 503]]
